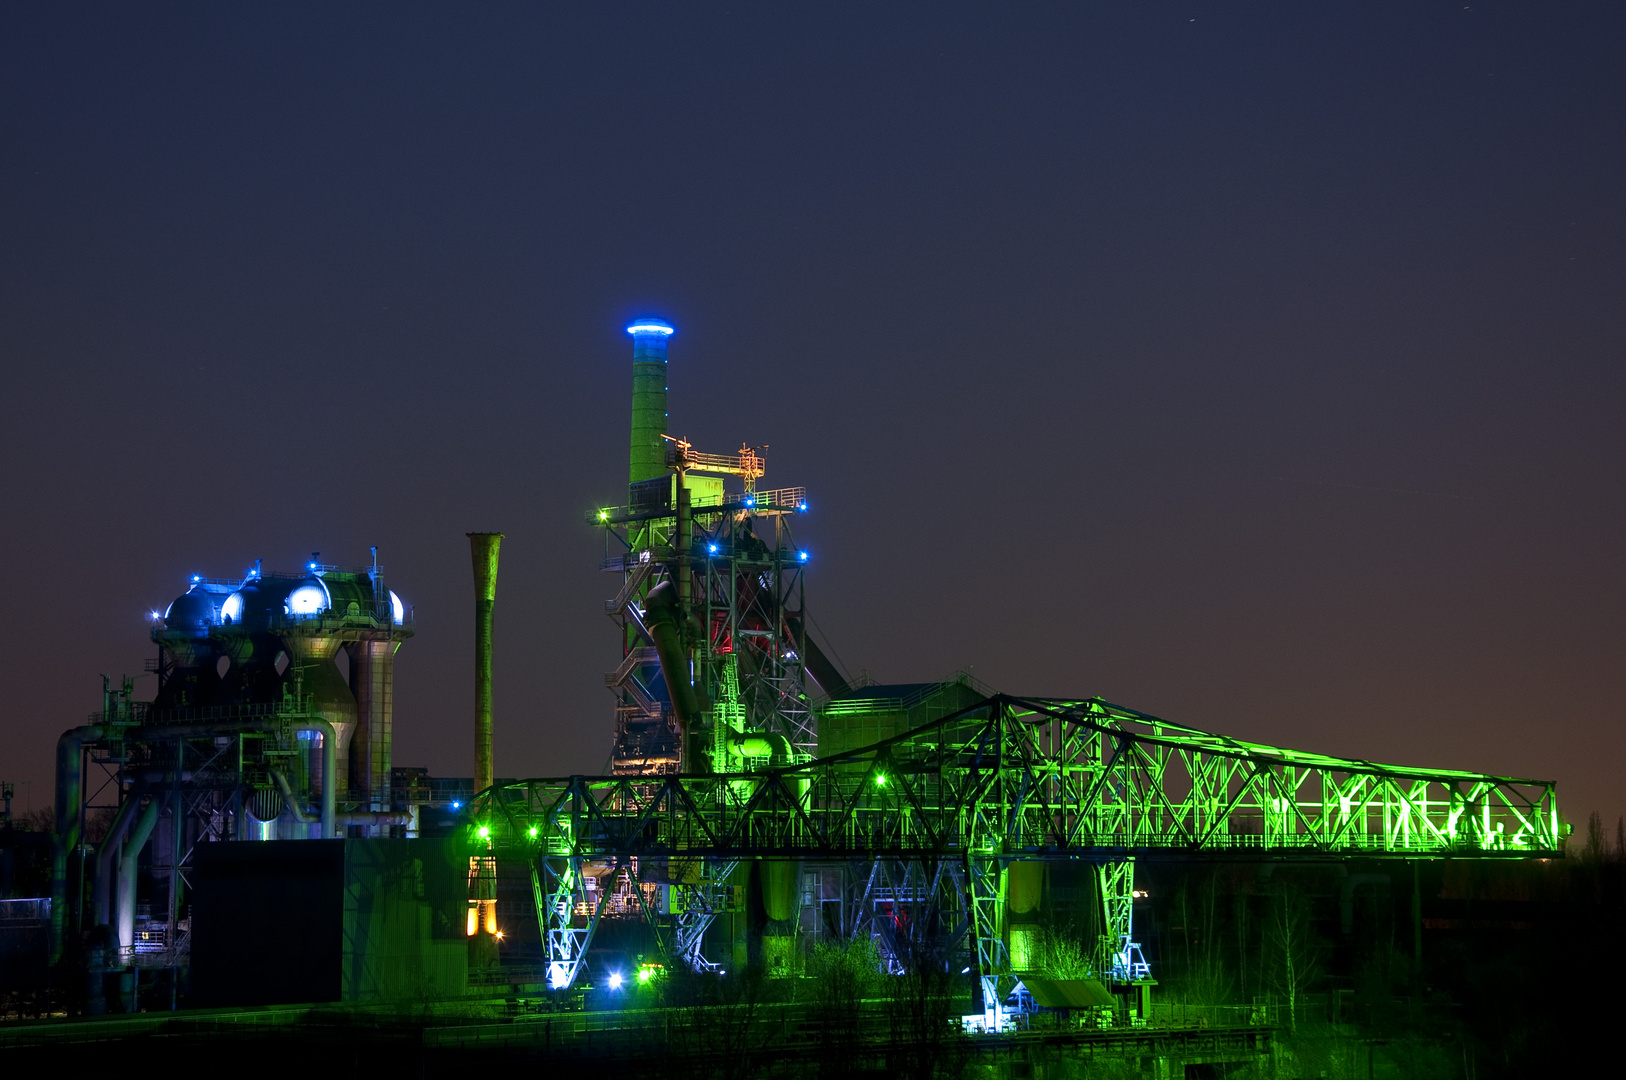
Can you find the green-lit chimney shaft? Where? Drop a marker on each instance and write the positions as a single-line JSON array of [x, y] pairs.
[[648, 457], [483, 546]]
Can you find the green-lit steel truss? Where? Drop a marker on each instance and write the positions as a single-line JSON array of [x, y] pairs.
[[1015, 779]]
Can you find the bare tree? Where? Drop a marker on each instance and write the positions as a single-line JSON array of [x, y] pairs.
[[1291, 947], [1206, 979], [1595, 848], [843, 974], [926, 1043], [718, 1029]]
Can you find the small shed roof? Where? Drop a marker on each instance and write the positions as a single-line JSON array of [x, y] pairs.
[[1067, 993]]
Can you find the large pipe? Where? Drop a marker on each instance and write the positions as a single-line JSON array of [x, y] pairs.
[[129, 863], [376, 818], [69, 753], [760, 744], [290, 802], [330, 751], [373, 675], [103, 889], [69, 756], [648, 452], [483, 547], [664, 621]]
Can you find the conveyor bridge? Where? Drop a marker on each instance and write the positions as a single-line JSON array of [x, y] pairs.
[[1012, 779]]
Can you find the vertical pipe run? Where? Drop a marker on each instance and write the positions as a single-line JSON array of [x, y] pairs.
[[372, 675], [129, 867], [483, 547], [69, 763]]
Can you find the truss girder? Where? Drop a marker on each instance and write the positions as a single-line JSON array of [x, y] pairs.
[[1013, 777]]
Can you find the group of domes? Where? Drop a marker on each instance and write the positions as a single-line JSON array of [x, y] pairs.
[[262, 602]]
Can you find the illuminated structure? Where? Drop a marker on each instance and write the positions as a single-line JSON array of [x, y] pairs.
[[930, 818], [756, 797], [715, 657], [947, 816], [254, 734]]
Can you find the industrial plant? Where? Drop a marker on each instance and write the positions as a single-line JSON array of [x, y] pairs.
[[786, 871]]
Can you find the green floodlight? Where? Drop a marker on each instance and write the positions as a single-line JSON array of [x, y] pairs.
[[532, 832], [880, 779], [483, 832]]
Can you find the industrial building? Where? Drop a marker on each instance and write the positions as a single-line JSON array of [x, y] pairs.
[[760, 805], [254, 734]]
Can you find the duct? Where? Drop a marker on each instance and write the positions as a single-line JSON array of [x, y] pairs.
[[759, 744], [290, 803], [374, 817], [103, 890], [129, 860], [483, 548], [662, 617], [329, 696], [330, 749], [372, 673], [330, 746], [69, 764], [818, 664]]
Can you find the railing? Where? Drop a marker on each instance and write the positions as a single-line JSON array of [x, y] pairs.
[[774, 500], [23, 912]]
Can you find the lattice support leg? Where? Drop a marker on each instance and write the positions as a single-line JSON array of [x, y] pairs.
[[1119, 955], [985, 888], [701, 902], [558, 890]]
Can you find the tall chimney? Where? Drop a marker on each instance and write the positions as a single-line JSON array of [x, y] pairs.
[[483, 546], [648, 457]]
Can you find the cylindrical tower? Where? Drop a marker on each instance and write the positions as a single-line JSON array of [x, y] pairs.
[[483, 546], [648, 457]]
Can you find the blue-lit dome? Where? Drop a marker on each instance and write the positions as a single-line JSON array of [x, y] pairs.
[[194, 610], [252, 605], [309, 597]]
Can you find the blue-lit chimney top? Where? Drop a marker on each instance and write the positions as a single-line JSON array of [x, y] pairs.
[[650, 326]]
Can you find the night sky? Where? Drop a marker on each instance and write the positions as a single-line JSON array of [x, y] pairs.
[[1257, 366]]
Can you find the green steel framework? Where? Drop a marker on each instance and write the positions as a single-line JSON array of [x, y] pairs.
[[742, 598], [1006, 779]]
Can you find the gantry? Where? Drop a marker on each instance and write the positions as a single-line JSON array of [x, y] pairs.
[[955, 804]]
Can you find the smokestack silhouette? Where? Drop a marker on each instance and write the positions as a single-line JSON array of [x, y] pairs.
[[483, 547]]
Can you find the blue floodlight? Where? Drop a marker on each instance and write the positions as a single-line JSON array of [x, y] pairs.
[[457, 806], [712, 548], [804, 556], [196, 579], [615, 980], [650, 326], [801, 508]]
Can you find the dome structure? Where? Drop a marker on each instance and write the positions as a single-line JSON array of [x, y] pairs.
[[309, 597], [193, 610]]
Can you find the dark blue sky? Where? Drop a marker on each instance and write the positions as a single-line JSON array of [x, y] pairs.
[[1259, 366]]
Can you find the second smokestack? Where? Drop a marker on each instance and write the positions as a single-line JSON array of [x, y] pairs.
[[483, 547]]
